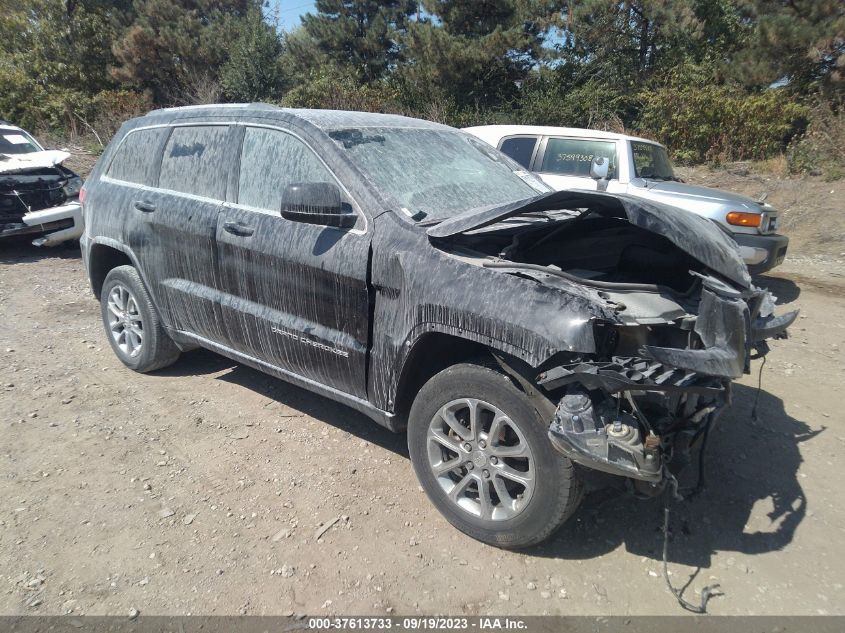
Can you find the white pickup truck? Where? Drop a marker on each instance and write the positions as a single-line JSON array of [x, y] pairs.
[[573, 158]]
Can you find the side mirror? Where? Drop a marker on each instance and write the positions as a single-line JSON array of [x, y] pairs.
[[316, 203], [599, 168]]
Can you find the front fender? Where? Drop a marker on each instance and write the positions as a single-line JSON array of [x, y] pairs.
[[420, 289]]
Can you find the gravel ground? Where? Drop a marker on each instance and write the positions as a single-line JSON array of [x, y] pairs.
[[210, 488]]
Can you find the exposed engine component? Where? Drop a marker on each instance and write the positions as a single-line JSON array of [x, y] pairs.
[[592, 431]]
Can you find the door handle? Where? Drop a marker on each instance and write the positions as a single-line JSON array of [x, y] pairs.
[[238, 228], [146, 207]]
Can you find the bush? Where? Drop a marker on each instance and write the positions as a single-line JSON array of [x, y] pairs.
[[821, 150], [331, 88], [720, 123], [547, 99]]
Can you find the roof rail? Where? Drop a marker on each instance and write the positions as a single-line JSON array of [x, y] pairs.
[[203, 106]]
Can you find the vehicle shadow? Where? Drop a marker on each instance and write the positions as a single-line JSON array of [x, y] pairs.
[[785, 290], [747, 462], [203, 362], [18, 250]]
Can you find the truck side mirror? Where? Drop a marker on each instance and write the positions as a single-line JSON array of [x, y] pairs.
[[316, 203], [599, 168]]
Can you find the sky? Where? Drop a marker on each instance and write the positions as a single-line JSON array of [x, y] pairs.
[[289, 11]]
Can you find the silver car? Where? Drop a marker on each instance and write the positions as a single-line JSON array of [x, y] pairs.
[[573, 158]]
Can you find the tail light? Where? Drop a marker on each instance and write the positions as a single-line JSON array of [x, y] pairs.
[[82, 193], [740, 218]]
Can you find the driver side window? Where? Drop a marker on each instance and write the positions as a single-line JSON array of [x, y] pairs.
[[572, 157], [270, 161]]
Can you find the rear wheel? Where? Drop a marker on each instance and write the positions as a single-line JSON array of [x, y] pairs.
[[482, 455], [132, 324]]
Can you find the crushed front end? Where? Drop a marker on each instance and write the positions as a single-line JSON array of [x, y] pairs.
[[666, 317], [640, 411], [39, 197]]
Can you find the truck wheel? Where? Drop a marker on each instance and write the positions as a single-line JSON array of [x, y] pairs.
[[132, 324], [481, 453]]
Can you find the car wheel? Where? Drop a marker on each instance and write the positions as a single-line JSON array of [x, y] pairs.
[[132, 324], [483, 457]]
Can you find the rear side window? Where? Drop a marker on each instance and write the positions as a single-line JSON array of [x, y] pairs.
[[572, 157], [194, 161], [521, 149], [270, 161], [136, 158]]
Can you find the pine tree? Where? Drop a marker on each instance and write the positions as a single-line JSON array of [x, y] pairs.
[[361, 34], [798, 42], [252, 72], [473, 54], [175, 46]]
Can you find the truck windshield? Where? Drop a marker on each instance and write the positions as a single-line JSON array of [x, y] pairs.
[[435, 174], [651, 161]]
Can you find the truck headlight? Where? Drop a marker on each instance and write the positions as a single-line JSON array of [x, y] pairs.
[[72, 187]]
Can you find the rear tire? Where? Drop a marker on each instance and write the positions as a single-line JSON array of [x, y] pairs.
[[497, 479], [132, 324]]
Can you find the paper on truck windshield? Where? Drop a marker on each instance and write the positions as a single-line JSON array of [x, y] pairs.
[[16, 139]]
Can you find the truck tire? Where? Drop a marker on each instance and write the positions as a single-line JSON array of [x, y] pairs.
[[483, 457], [132, 323]]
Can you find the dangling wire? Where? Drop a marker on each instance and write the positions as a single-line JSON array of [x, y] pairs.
[[759, 389], [710, 590]]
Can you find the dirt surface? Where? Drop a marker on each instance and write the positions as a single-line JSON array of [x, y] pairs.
[[202, 489]]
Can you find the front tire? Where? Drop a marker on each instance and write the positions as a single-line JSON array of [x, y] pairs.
[[481, 453], [132, 324]]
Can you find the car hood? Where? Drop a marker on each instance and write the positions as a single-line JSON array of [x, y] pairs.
[[679, 193], [15, 163], [698, 237]]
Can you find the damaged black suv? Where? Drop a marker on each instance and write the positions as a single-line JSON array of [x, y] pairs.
[[522, 337]]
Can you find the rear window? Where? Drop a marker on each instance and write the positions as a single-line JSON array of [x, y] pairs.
[[194, 161], [136, 158], [572, 157], [521, 149]]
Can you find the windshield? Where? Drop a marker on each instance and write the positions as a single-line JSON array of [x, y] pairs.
[[436, 174], [651, 161], [17, 142]]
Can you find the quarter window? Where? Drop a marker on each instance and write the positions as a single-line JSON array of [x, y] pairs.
[[270, 161], [194, 161], [136, 157], [520, 148], [572, 157]]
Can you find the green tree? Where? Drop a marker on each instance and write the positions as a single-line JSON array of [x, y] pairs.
[[176, 48], [362, 34], [253, 71], [799, 42], [472, 55], [55, 56]]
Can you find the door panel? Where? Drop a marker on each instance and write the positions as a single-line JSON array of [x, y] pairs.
[[295, 294], [175, 244]]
